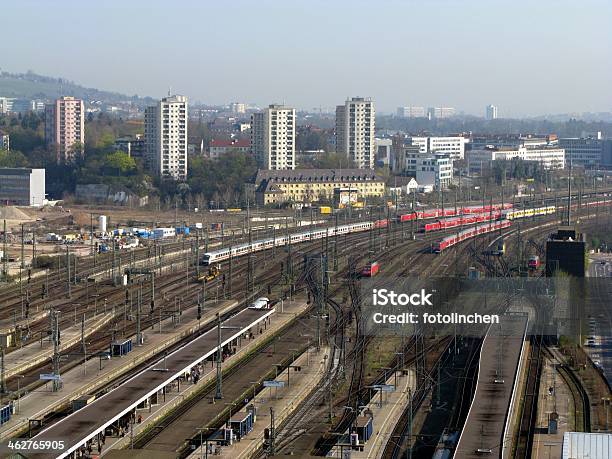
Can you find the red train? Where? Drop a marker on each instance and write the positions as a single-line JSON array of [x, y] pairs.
[[370, 270], [469, 233], [461, 221], [534, 262], [450, 212]]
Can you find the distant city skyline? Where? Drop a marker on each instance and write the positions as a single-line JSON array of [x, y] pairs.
[[527, 58]]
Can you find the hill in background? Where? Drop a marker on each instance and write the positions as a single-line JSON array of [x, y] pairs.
[[33, 86]]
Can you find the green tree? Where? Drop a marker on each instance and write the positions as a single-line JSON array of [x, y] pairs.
[[13, 158], [120, 162]]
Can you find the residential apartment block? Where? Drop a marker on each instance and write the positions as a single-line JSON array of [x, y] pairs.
[[166, 137], [65, 128], [273, 137], [220, 147], [355, 125], [490, 112]]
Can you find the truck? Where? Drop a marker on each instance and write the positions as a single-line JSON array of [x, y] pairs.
[[161, 233]]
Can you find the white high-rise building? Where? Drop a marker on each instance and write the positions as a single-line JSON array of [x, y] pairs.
[[273, 137], [166, 137], [491, 112], [355, 125]]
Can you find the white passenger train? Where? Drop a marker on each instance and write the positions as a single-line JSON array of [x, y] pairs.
[[263, 244]]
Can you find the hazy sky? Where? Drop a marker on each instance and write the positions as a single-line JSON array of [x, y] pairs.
[[527, 57]]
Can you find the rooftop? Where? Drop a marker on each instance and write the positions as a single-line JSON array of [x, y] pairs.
[[228, 143], [316, 175]]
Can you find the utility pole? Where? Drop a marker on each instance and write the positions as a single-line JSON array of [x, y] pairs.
[[4, 255], [68, 267], [55, 334], [569, 194], [219, 392], [83, 345], [2, 377], [138, 306], [272, 451]]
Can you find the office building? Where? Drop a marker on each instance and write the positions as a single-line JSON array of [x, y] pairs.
[[435, 170], [491, 112], [273, 137], [22, 186], [65, 128], [237, 107], [355, 125], [440, 112], [166, 137], [549, 157], [411, 112], [133, 146], [453, 146], [311, 185], [5, 142], [432, 169], [6, 105], [384, 151], [585, 152]]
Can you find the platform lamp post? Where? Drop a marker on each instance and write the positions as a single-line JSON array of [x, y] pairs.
[[203, 454], [20, 377], [219, 388]]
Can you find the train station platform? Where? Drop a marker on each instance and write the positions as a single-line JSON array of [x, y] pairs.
[[554, 397], [485, 431], [92, 420], [284, 401], [153, 414], [386, 409], [96, 373], [35, 353]]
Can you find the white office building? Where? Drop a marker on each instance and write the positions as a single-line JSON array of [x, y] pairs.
[[549, 157], [430, 169], [435, 170], [491, 112], [166, 137], [453, 146], [441, 112], [411, 112], [273, 137], [355, 125]]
